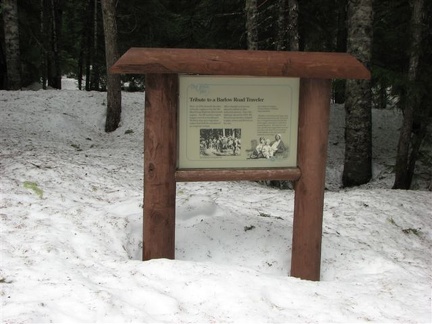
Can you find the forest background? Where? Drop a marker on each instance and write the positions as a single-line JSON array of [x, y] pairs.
[[66, 38]]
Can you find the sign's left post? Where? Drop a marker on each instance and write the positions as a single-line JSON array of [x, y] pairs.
[[160, 163]]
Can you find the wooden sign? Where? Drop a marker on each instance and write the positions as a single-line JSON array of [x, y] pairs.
[[162, 68]]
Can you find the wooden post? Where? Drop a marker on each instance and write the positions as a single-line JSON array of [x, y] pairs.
[[314, 109], [160, 158]]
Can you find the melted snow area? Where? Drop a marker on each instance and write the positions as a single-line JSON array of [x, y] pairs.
[[71, 230]]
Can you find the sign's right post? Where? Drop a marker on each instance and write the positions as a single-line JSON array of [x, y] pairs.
[[314, 111]]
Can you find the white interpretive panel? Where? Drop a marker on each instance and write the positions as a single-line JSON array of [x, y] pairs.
[[237, 122]]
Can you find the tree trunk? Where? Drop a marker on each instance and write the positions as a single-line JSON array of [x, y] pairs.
[[341, 46], [85, 40], [252, 24], [3, 72], [382, 94], [287, 22], [281, 26], [404, 168], [54, 65], [80, 66], [293, 34], [95, 75], [12, 46], [88, 44], [44, 32], [112, 55], [358, 104]]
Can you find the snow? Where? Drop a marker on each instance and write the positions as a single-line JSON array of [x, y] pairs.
[[71, 230]]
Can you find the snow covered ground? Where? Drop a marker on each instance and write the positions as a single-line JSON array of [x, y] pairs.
[[71, 230]]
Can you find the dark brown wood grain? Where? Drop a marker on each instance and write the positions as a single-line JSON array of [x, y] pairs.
[[309, 189], [241, 62], [160, 158], [237, 174]]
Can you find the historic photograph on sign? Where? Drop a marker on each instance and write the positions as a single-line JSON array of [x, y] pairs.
[[220, 142], [237, 122]]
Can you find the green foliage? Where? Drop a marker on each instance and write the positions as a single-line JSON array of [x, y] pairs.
[[391, 34], [33, 186], [387, 85], [208, 24], [211, 24], [150, 23], [318, 25]]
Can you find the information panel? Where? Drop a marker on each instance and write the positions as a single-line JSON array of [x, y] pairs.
[[237, 122]]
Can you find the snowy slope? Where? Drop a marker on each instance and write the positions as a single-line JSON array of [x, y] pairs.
[[71, 218]]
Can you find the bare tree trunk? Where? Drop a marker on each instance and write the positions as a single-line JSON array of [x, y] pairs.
[[51, 15], [404, 168], [95, 73], [358, 104], [341, 46], [88, 45], [3, 72], [12, 47], [80, 66], [281, 26], [83, 47], [51, 24], [44, 33], [252, 24], [112, 55], [54, 66], [293, 34], [287, 22]]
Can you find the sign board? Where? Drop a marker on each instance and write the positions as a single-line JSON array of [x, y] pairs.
[[237, 122], [184, 114]]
